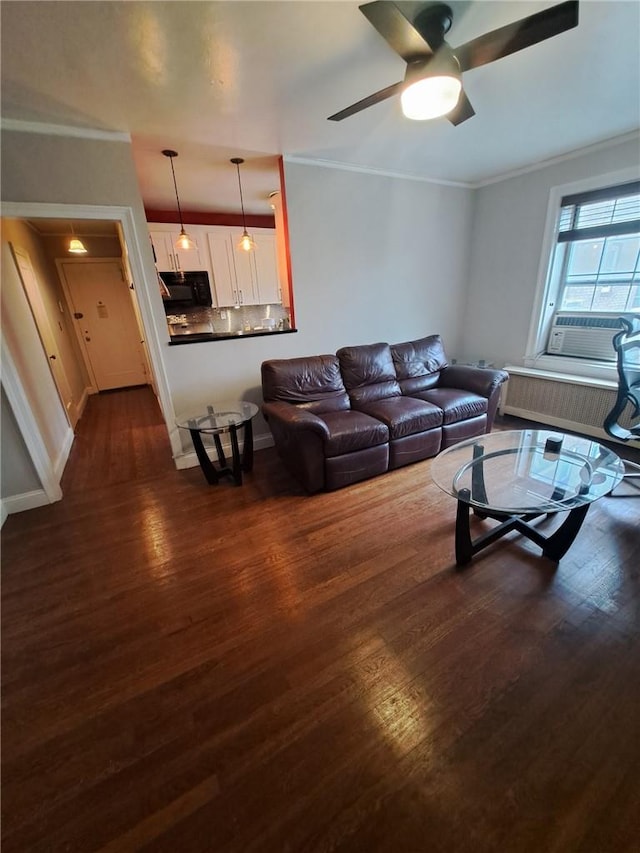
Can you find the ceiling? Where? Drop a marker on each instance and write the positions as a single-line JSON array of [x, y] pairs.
[[215, 80]]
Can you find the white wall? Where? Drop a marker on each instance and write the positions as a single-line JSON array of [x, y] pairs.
[[373, 259], [507, 232], [18, 476]]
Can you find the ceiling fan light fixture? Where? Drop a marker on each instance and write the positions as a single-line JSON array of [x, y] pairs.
[[184, 242], [432, 88], [430, 98]]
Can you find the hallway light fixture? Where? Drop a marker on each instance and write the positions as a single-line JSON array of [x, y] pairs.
[[246, 242], [76, 246], [432, 86], [183, 242]]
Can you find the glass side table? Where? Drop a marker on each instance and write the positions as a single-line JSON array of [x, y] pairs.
[[515, 476], [215, 419]]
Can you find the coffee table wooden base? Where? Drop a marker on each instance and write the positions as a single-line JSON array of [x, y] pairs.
[[554, 546]]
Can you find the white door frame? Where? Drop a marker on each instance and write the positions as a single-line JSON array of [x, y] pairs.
[[123, 215]]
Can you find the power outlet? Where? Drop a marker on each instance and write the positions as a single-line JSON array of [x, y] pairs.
[[223, 315]]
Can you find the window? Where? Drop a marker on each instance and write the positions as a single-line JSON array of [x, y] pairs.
[[598, 250], [589, 275]]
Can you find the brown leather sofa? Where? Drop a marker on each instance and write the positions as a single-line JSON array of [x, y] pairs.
[[338, 419]]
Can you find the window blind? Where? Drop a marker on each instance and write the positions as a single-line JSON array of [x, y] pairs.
[[605, 212]]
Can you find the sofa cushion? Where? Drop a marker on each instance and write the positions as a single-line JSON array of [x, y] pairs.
[[403, 415], [313, 383], [350, 431], [418, 363], [368, 373], [456, 405]]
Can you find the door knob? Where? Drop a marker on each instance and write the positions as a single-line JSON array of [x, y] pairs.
[[87, 339], [52, 357]]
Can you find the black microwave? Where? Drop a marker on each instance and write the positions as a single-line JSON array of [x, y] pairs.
[[185, 290]]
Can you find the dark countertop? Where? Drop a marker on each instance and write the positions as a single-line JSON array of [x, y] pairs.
[[179, 340]]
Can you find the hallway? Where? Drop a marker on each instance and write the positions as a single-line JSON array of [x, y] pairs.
[[120, 438]]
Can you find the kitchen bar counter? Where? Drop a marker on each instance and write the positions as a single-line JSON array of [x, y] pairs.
[[201, 337], [195, 324]]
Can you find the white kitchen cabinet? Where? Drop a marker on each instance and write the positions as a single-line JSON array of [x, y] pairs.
[[224, 268], [170, 259], [243, 278], [266, 263]]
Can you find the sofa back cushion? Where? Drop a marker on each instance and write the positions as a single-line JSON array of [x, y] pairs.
[[314, 383], [368, 373], [418, 363]]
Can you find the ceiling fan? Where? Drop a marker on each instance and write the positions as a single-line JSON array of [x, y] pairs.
[[432, 85]]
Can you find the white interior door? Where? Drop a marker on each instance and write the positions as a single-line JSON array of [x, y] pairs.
[[43, 324], [106, 323]]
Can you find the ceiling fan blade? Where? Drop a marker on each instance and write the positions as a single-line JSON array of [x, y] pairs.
[[396, 29], [382, 95], [521, 34], [462, 110]]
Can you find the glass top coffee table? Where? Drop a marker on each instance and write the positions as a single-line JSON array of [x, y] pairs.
[[215, 419], [516, 476]]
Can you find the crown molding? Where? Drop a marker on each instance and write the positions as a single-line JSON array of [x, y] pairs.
[[472, 185], [551, 161], [47, 129], [369, 170]]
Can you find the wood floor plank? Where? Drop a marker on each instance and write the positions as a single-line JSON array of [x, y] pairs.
[[198, 668]]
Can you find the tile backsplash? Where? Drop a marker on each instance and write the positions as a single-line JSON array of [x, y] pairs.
[[244, 318]]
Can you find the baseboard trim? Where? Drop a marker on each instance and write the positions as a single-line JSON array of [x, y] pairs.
[[82, 404], [27, 500], [4, 513], [63, 455]]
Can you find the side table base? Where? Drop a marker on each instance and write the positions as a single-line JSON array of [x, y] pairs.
[[240, 461]]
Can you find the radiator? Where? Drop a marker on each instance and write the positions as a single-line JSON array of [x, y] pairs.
[[562, 402]]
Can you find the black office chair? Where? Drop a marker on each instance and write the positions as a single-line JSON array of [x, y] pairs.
[[627, 346]]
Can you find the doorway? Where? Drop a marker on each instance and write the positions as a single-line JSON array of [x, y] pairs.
[[104, 320], [27, 387], [44, 325]]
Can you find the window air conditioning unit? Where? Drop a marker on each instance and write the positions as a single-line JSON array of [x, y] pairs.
[[584, 334]]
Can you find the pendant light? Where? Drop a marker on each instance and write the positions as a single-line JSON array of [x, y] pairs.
[[76, 246], [183, 242], [246, 243]]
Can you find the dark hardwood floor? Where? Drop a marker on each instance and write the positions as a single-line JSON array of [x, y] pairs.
[[196, 668]]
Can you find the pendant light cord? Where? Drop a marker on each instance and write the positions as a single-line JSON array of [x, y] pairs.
[[244, 221], [175, 186]]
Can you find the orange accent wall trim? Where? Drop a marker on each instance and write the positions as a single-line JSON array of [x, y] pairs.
[[285, 217], [190, 217]]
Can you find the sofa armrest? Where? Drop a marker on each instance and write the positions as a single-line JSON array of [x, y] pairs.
[[294, 418], [299, 436], [479, 380]]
